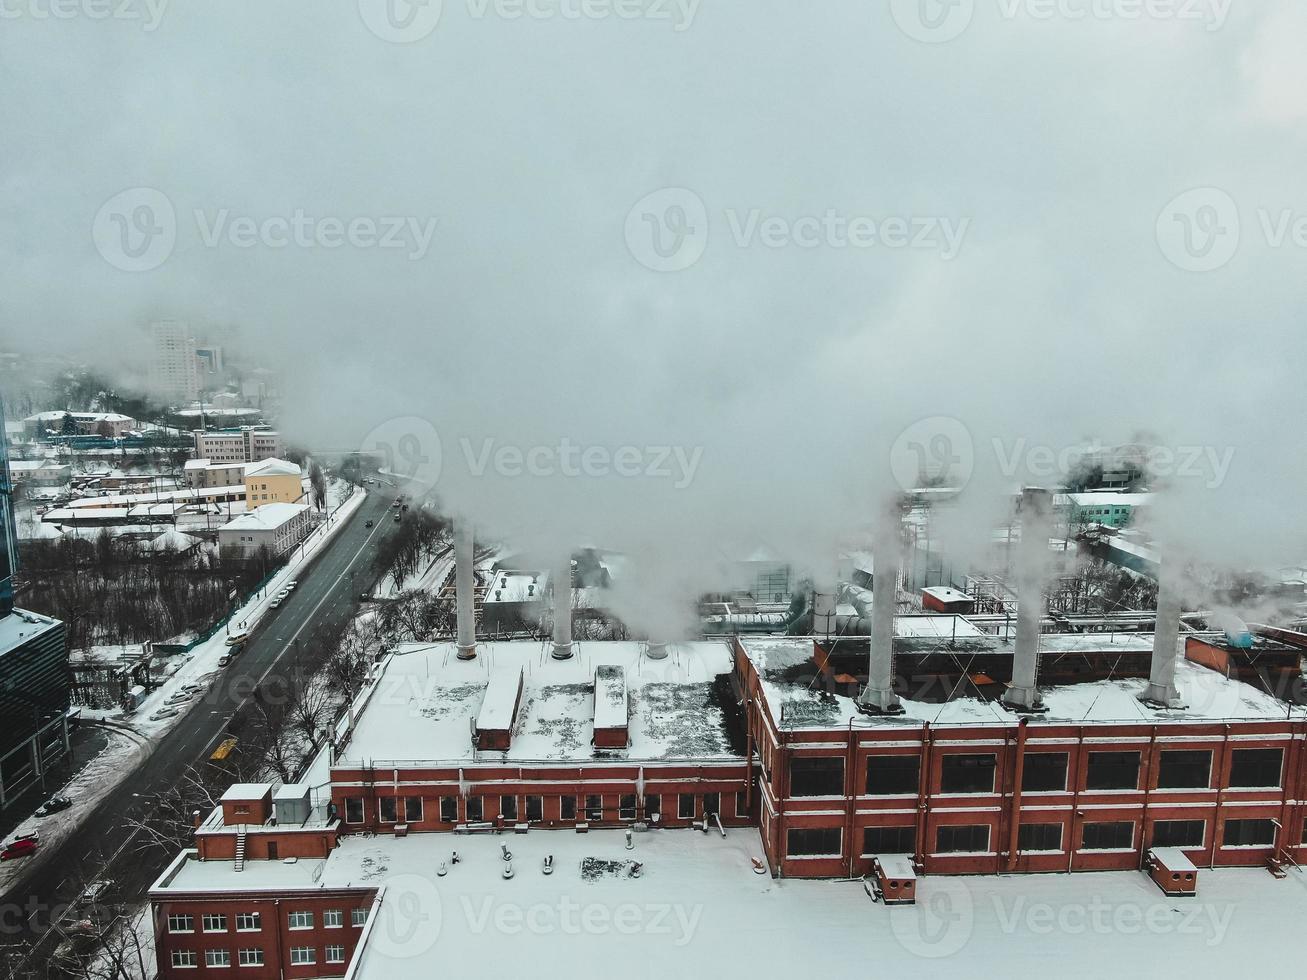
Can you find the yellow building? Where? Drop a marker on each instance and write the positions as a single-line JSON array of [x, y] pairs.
[[273, 481]]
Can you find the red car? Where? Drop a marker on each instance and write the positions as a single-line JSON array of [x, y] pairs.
[[20, 847]]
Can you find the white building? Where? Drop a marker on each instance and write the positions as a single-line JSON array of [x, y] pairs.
[[174, 369], [111, 424], [201, 473], [277, 527], [40, 472], [244, 445]]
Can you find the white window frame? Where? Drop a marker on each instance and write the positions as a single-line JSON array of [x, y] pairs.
[[358, 918], [185, 959], [251, 957], [295, 918], [217, 959], [256, 918], [180, 917], [297, 954], [338, 915], [338, 957], [221, 918]]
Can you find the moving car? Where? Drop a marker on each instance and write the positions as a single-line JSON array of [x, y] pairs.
[[368, 522], [21, 847], [53, 805]]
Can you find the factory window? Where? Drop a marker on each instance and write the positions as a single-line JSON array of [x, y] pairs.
[[626, 807], [1113, 770], [333, 918], [967, 773], [1039, 837], [567, 807], [217, 957], [249, 921], [387, 809], [535, 808], [1044, 772], [181, 923], [353, 809], [1178, 833], [476, 809], [413, 809], [1255, 767], [1185, 770], [303, 956], [214, 922], [1116, 835], [816, 776], [653, 805], [712, 803], [251, 957], [508, 807], [335, 954], [888, 775], [594, 807], [449, 809], [1249, 833], [814, 842], [962, 840], [184, 958], [685, 806], [358, 917], [741, 803], [888, 840], [300, 920]]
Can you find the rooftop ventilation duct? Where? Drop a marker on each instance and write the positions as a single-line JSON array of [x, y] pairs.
[[823, 613], [1032, 561], [464, 597], [656, 650], [563, 610], [1161, 691], [878, 697]]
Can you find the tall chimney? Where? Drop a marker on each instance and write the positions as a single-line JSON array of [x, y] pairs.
[[464, 597], [878, 697], [1161, 691], [1032, 560], [563, 610]]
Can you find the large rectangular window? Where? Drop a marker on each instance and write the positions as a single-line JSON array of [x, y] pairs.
[[594, 807], [181, 923], [334, 954], [1249, 833], [353, 809], [1043, 772], [508, 807], [449, 809], [1256, 767], [967, 773], [1039, 837], [962, 840], [413, 809], [893, 775], [185, 958], [476, 809], [1113, 770], [816, 776], [386, 808], [217, 958], [214, 922], [1184, 769], [626, 807], [685, 806], [889, 840], [1178, 833], [303, 956], [249, 921], [567, 807], [653, 805], [1108, 836], [251, 957], [813, 842], [535, 808], [300, 920]]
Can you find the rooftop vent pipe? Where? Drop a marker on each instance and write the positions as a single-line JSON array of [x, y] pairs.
[[1032, 559], [878, 697], [823, 613], [656, 650], [563, 610], [464, 597], [1161, 691]]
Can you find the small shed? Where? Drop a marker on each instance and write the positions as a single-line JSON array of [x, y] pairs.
[[611, 709], [1172, 871], [940, 598], [494, 724], [894, 879]]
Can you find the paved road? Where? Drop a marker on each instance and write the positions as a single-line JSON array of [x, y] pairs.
[[321, 605]]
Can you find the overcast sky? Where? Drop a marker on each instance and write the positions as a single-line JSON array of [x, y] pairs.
[[773, 236]]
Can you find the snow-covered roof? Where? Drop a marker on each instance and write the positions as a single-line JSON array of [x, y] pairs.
[[174, 540], [422, 704], [267, 517], [945, 594], [272, 466], [696, 892], [242, 792], [610, 696], [20, 626]]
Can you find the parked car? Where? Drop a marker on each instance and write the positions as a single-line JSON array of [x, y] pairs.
[[164, 713], [20, 847], [224, 660], [364, 597], [276, 601], [53, 805], [236, 638]]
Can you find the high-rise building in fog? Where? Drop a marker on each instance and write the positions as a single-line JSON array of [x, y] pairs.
[[174, 368], [8, 531]]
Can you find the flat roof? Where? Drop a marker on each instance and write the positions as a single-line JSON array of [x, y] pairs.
[[698, 904], [782, 664], [423, 702], [20, 626], [265, 517]]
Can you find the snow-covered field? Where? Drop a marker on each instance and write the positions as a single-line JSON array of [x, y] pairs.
[[195, 672]]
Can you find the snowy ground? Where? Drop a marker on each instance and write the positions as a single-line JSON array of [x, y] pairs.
[[135, 735], [697, 904]]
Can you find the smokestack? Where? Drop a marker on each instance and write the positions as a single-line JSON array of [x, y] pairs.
[[464, 597], [878, 697], [823, 613], [1032, 560], [656, 650], [1161, 691], [563, 610]]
